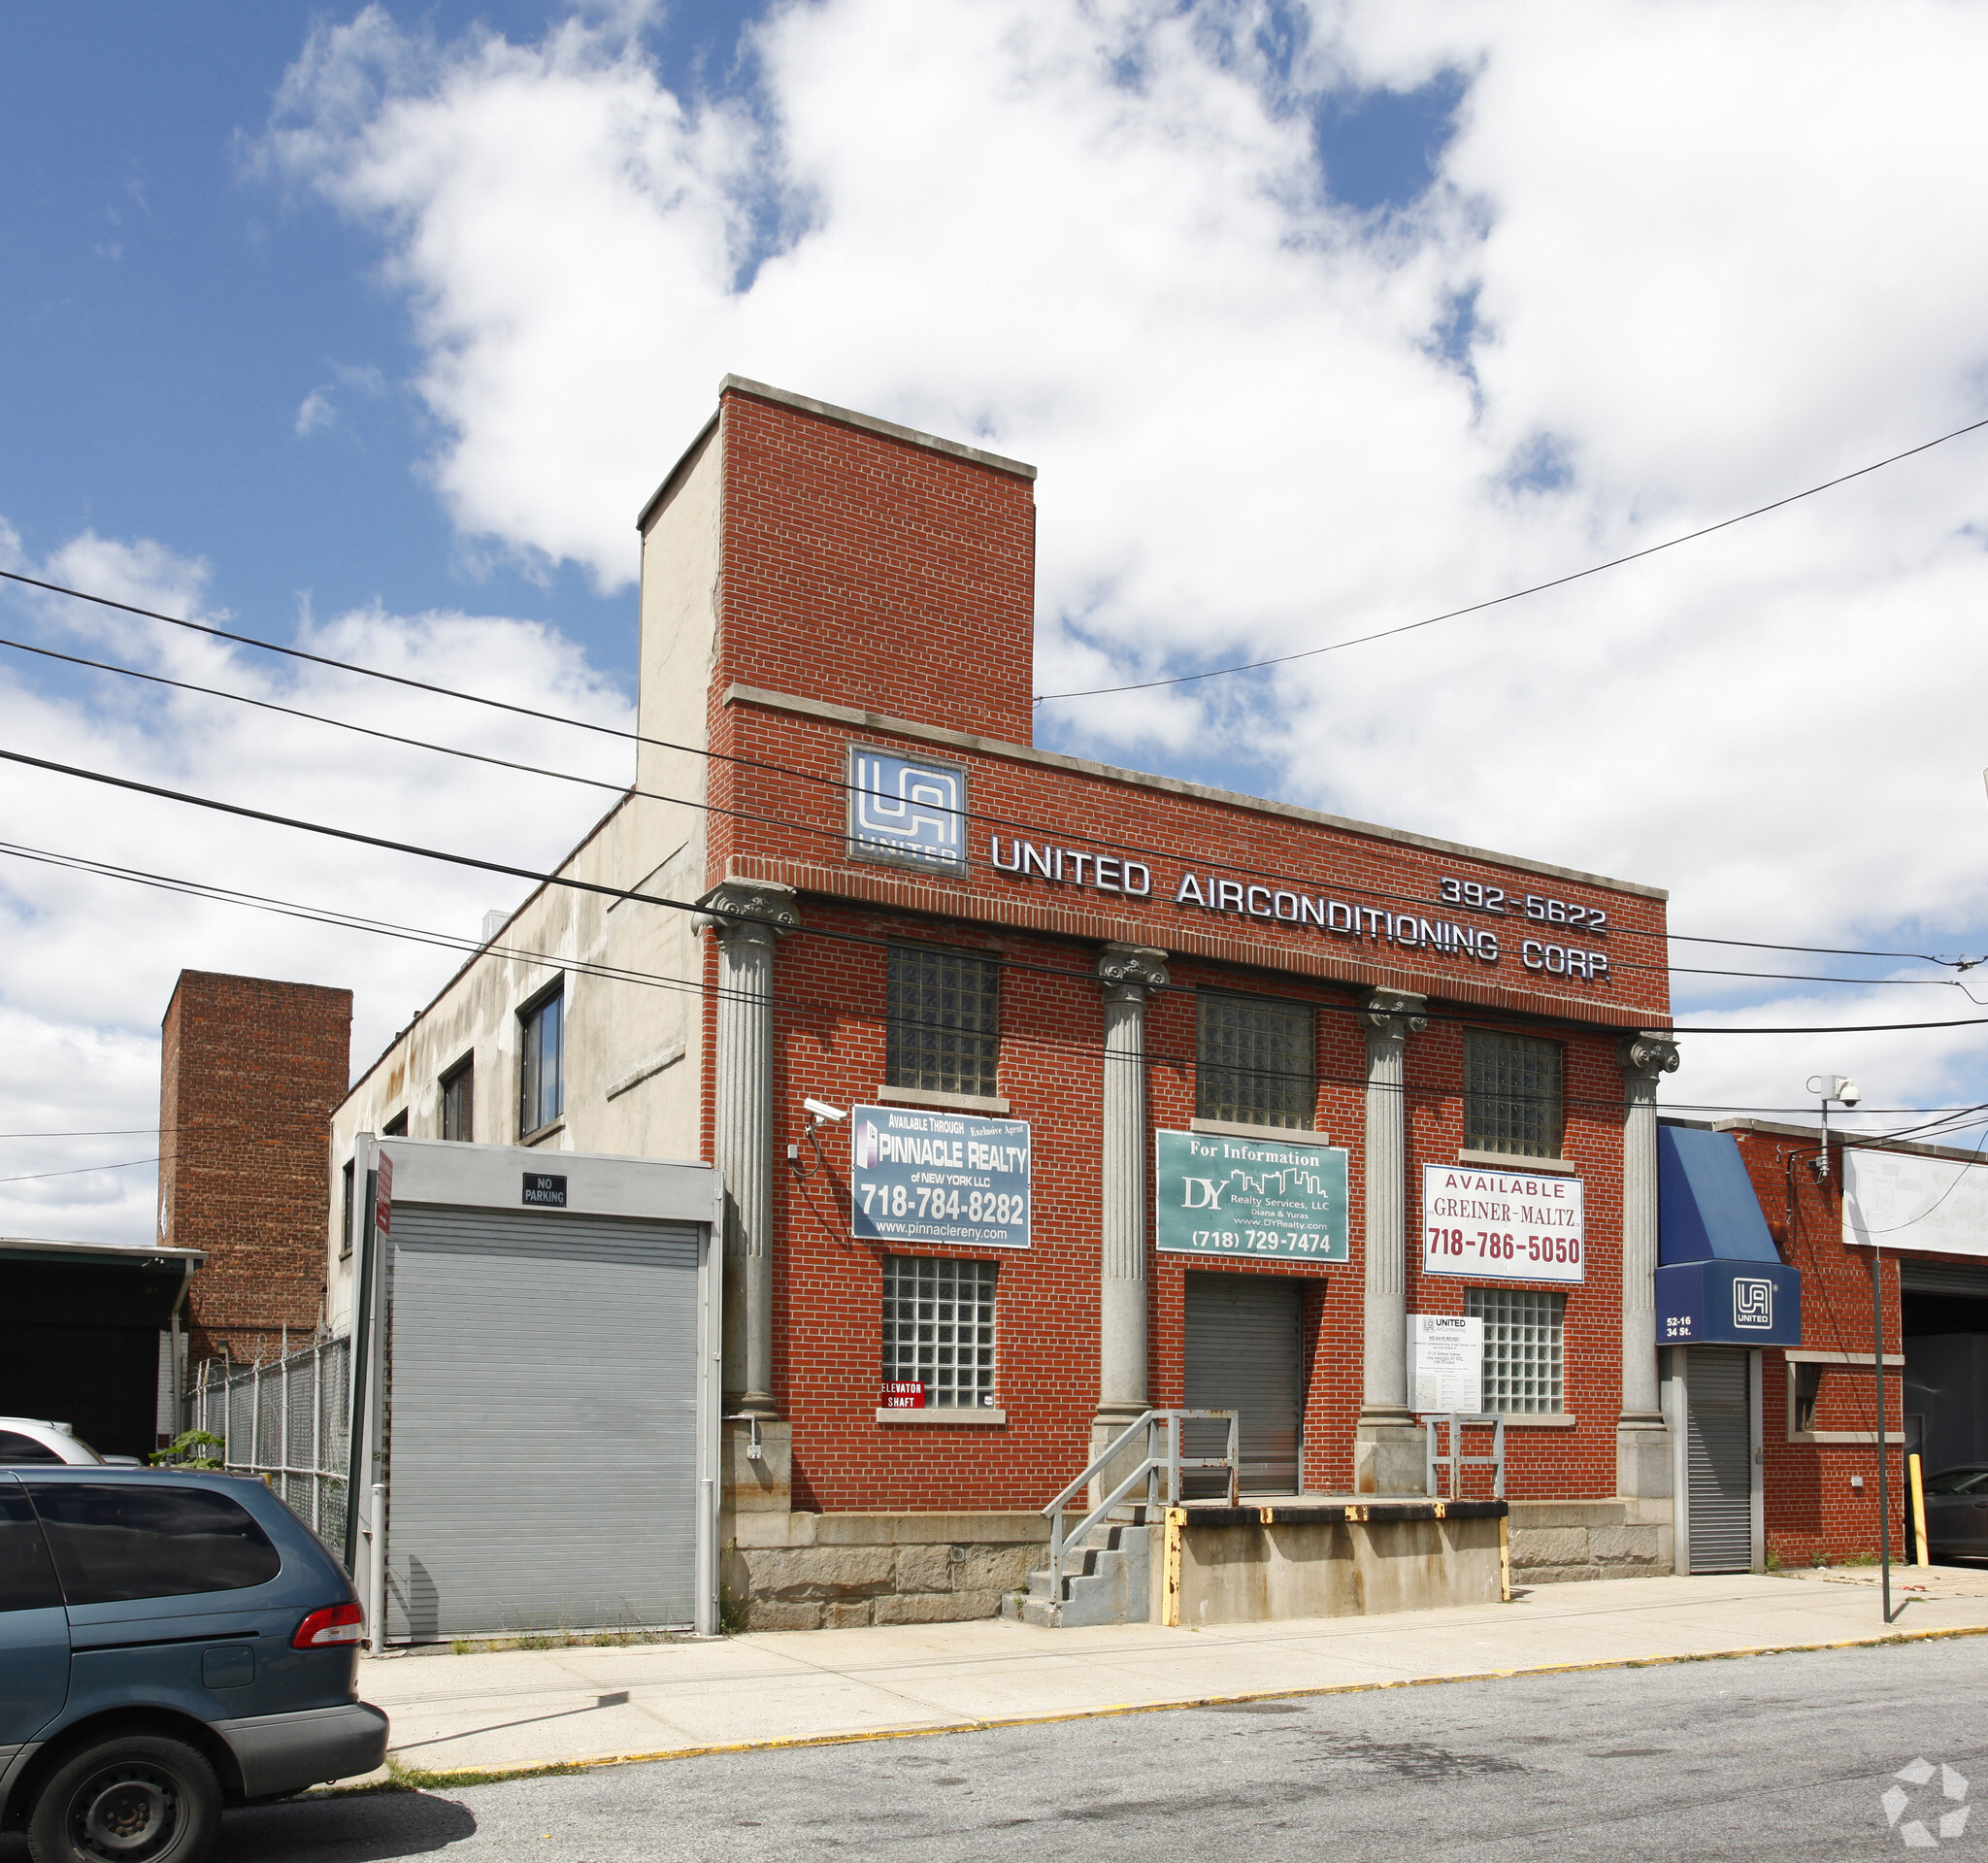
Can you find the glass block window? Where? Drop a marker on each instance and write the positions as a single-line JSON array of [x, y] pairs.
[[1254, 1061], [1523, 1329], [944, 1032], [938, 1328], [1511, 1094]]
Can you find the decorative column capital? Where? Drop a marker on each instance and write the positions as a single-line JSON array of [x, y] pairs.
[[1129, 970], [757, 910], [1647, 1055], [1393, 1014]]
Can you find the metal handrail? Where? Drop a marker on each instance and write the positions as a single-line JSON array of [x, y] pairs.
[[1149, 1470], [1456, 1461]]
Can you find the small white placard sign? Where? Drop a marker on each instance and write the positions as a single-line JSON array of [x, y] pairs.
[[1446, 1363], [1502, 1225]]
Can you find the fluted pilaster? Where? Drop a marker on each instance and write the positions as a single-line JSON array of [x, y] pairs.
[[748, 917]]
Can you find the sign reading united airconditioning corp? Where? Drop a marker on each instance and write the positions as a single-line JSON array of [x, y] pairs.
[[1503, 1225], [1223, 1196], [919, 1176]]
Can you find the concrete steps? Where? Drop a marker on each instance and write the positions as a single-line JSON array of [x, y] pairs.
[[1106, 1581]]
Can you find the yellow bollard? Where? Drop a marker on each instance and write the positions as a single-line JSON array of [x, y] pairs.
[[1912, 1476]]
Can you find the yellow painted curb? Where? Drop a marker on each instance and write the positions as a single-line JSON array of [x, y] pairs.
[[493, 1775]]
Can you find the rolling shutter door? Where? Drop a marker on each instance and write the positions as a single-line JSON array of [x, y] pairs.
[[1719, 1449], [542, 1441], [1245, 1354]]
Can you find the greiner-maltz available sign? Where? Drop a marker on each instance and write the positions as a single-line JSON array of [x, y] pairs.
[[1220, 1196], [919, 1176], [1502, 1225]]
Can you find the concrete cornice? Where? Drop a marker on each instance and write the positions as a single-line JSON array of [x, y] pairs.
[[740, 694], [870, 423]]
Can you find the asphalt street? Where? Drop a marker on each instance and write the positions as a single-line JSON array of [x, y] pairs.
[[1758, 1757]]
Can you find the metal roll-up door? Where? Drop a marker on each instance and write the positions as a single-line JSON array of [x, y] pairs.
[[1943, 1277], [1719, 1449], [1245, 1354], [542, 1441]]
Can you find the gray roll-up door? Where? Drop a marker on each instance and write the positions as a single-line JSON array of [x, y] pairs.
[[1943, 1277], [1245, 1354], [542, 1441], [1720, 1460]]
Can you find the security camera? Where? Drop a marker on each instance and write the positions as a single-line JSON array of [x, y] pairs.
[[1847, 1092], [821, 1110]]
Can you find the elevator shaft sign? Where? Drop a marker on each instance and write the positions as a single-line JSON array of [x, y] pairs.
[[938, 1177], [1236, 1197]]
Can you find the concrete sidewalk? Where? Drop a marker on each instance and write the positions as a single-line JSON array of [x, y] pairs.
[[519, 1708]]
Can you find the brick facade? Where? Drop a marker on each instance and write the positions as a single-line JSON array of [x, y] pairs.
[[1813, 1515], [250, 1073], [877, 591]]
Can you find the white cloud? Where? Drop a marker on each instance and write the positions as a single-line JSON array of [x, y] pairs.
[[315, 411], [1716, 254], [93, 960]]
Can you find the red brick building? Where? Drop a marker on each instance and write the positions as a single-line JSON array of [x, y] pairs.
[[1820, 1402], [250, 1073], [918, 919]]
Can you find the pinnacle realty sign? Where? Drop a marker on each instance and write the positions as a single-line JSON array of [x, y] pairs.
[[1224, 1196]]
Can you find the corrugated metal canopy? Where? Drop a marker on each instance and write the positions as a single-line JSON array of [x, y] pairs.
[[1705, 1207]]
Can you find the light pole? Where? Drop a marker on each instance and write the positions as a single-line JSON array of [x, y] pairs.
[[1828, 1088]]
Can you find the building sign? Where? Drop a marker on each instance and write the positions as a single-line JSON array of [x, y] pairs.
[[1220, 1196], [382, 1195], [908, 810], [919, 1176], [1901, 1200], [1486, 924], [543, 1191], [1729, 1303], [899, 1396], [1502, 1225], [1446, 1363]]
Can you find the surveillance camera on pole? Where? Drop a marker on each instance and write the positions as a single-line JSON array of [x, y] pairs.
[[1845, 1092]]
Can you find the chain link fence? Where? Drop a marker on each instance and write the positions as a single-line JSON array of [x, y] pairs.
[[288, 1422]]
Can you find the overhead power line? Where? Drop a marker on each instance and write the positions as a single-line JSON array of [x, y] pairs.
[[1517, 594], [680, 905], [753, 763], [1946, 1117]]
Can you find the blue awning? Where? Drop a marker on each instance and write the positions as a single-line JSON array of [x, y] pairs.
[[1705, 1207], [1720, 1280]]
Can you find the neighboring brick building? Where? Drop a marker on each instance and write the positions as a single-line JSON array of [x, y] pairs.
[[915, 911], [250, 1073], [1819, 1404]]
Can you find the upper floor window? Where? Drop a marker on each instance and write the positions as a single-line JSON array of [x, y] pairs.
[[943, 1020], [459, 1102], [542, 1070], [1511, 1094], [1254, 1061], [397, 1126], [345, 1219]]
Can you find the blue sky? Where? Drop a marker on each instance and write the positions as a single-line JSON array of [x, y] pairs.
[[1317, 319]]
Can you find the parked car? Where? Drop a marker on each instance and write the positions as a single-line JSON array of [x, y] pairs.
[[25, 1439], [1957, 1513], [171, 1643]]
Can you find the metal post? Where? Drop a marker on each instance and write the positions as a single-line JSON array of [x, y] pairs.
[[1883, 1452]]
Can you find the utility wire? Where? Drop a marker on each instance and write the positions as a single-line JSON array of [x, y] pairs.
[[29, 1176], [777, 769], [352, 921], [817, 931], [1517, 594]]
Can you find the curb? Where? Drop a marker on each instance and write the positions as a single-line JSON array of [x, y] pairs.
[[496, 1774]]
